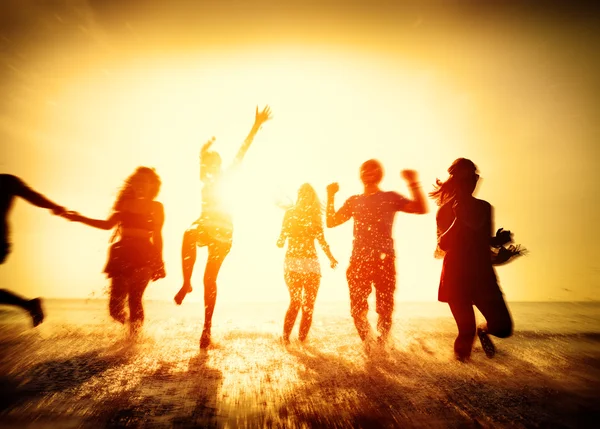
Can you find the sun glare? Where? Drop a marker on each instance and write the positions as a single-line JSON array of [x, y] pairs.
[[330, 114]]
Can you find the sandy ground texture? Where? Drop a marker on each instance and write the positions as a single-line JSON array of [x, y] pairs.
[[75, 374]]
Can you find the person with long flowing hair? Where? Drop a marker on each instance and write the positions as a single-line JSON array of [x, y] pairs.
[[465, 228], [136, 257], [302, 225], [214, 227]]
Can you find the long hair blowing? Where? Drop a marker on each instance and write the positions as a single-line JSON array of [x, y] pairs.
[[308, 208], [129, 190], [445, 191]]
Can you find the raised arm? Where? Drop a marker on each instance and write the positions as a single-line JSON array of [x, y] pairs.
[[260, 118], [417, 203], [336, 218], [35, 198], [107, 224]]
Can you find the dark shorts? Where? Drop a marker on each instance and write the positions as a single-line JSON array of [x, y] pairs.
[[130, 255], [372, 270]]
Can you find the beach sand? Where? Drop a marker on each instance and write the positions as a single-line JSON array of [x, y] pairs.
[[79, 369]]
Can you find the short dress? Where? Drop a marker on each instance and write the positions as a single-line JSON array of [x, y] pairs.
[[215, 224], [130, 255], [467, 270]]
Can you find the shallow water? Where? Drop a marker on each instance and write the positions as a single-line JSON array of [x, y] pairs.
[[79, 369]]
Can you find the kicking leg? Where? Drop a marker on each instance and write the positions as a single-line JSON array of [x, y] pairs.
[[498, 323], [188, 259], [33, 306]]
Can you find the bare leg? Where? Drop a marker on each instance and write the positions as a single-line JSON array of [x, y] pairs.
[[216, 256], [311, 287], [188, 259], [33, 306], [359, 307], [465, 321], [116, 303], [294, 285], [137, 287]]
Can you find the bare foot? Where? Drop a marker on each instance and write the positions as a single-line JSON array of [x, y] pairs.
[[205, 338], [185, 289], [35, 309]]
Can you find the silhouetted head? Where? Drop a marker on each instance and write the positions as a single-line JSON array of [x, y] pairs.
[[144, 183], [308, 203], [464, 173], [461, 183], [210, 165], [371, 172]]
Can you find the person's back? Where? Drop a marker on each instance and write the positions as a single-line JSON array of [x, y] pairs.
[[372, 263], [374, 219], [301, 232]]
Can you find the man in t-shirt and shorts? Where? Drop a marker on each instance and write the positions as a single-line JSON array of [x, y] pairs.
[[373, 258]]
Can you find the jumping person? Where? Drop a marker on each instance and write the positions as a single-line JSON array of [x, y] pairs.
[[214, 228], [373, 256], [11, 187], [136, 258], [302, 225], [464, 230]]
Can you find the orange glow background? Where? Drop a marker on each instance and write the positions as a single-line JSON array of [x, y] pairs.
[[93, 89]]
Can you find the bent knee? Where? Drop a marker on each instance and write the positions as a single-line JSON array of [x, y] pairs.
[[503, 331]]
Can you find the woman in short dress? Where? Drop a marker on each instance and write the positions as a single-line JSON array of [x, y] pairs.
[[465, 241], [302, 224], [214, 228], [136, 258]]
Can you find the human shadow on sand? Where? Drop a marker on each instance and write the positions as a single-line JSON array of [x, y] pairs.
[[54, 376], [393, 388], [167, 397]]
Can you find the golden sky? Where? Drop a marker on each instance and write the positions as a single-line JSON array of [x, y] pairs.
[[92, 89]]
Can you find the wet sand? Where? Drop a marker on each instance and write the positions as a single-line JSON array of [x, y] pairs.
[[73, 374]]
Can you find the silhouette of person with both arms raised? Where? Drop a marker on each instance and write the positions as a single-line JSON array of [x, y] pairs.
[[372, 263]]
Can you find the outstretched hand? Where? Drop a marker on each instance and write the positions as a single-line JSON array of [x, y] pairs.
[[262, 116], [206, 146], [503, 237], [332, 189], [71, 215], [333, 263], [58, 210]]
